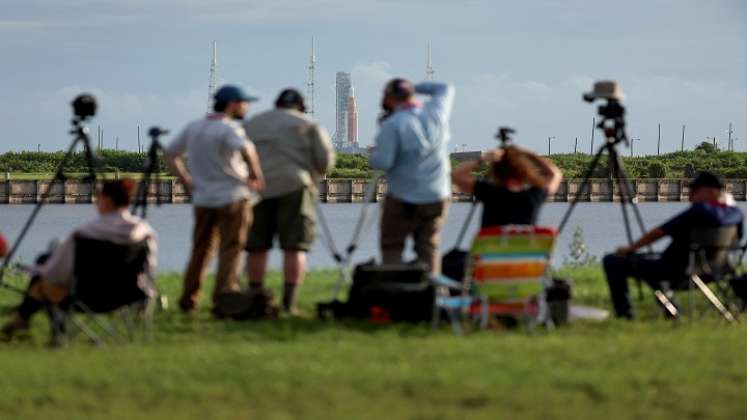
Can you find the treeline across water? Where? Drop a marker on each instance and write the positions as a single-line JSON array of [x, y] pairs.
[[671, 165]]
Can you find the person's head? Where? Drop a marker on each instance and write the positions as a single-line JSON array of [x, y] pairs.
[[290, 99], [514, 169], [396, 93], [706, 187], [115, 195], [232, 101]]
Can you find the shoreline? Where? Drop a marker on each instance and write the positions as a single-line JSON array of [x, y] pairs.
[[354, 190]]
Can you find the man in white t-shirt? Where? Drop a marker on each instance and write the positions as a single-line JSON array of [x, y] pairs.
[[222, 173]]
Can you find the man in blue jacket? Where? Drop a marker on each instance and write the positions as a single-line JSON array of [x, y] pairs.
[[412, 148]]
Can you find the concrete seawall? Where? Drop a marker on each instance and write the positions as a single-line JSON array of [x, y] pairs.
[[353, 190]]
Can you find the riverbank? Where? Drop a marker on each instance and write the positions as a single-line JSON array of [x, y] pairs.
[[76, 191], [197, 367]]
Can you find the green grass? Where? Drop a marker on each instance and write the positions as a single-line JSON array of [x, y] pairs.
[[197, 367]]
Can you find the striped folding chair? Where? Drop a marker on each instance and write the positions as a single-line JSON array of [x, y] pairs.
[[508, 270]]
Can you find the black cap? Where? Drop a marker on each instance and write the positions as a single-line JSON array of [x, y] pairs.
[[707, 180], [290, 98]]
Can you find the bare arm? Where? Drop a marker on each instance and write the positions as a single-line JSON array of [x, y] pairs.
[[462, 176], [176, 166], [256, 178]]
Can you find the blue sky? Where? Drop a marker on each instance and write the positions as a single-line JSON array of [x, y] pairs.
[[522, 64]]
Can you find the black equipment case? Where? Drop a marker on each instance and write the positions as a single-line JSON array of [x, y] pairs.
[[385, 293]]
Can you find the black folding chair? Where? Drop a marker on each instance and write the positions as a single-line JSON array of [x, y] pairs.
[[107, 277], [711, 251]]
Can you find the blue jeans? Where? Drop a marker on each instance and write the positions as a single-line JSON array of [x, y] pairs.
[[649, 268]]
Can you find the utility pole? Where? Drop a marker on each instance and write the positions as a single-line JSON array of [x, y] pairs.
[[575, 146], [593, 126], [548, 144], [116, 143], [731, 145], [632, 142], [682, 143], [658, 142], [138, 138]]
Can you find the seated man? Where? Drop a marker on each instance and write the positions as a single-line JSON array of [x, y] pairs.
[[706, 211], [53, 276]]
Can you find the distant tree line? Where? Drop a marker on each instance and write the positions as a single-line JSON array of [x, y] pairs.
[[671, 165]]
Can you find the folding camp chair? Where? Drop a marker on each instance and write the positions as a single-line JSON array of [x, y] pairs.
[[710, 262], [507, 275], [107, 277]]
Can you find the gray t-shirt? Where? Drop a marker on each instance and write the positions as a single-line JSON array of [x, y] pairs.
[[219, 173]]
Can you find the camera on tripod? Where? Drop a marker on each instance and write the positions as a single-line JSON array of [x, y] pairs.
[[612, 113], [505, 135]]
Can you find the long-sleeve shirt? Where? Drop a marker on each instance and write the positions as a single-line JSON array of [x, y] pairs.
[[293, 150], [412, 147], [119, 227]]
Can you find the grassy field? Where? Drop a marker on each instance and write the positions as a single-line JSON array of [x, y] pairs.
[[197, 367]]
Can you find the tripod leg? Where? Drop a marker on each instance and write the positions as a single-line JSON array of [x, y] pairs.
[[59, 175], [582, 189]]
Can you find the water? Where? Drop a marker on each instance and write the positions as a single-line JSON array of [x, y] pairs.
[[601, 223]]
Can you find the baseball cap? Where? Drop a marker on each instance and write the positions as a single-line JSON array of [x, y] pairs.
[[290, 98], [706, 179], [230, 93]]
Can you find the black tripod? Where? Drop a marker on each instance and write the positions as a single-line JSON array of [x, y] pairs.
[[613, 125], [151, 166], [84, 106]]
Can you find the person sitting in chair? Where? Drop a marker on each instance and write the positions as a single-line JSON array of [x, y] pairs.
[[518, 184], [53, 276], [708, 209]]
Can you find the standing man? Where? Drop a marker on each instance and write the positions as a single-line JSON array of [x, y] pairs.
[[412, 147], [223, 170], [295, 153]]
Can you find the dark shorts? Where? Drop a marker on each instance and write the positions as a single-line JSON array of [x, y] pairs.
[[290, 217]]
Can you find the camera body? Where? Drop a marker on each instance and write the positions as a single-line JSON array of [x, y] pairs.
[[84, 106], [611, 110], [504, 135]]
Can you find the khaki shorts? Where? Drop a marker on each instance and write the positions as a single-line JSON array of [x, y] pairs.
[[291, 217]]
